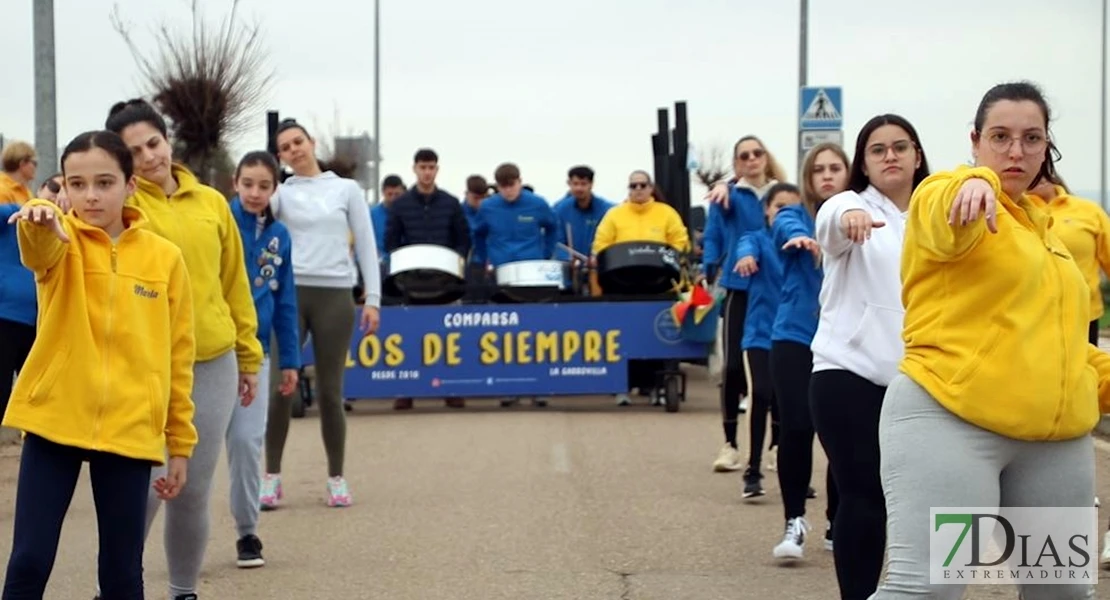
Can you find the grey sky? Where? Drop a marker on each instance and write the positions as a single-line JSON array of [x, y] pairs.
[[551, 84]]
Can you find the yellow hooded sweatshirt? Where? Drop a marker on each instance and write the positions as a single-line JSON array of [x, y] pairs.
[[198, 220], [11, 191], [650, 221], [1085, 230], [996, 323], [111, 369]]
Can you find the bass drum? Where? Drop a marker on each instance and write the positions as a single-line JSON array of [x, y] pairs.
[[532, 280], [638, 268], [426, 274]]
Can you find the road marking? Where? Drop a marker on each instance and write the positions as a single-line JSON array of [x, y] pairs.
[[560, 458]]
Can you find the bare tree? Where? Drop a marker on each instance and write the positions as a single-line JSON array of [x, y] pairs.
[[207, 82], [334, 157], [713, 165]]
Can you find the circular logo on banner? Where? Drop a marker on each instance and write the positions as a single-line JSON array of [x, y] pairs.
[[665, 328]]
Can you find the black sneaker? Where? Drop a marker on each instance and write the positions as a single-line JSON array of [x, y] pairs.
[[186, 597], [811, 493], [753, 483], [250, 553]]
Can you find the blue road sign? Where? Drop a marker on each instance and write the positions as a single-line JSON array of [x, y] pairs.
[[821, 108]]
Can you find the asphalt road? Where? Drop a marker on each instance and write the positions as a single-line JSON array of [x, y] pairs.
[[580, 500]]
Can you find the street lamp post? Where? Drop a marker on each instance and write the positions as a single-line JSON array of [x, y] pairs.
[[377, 101], [803, 67], [1102, 137]]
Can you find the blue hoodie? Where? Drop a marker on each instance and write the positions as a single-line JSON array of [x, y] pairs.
[[583, 224], [18, 298], [378, 215], [269, 260], [471, 215], [764, 289], [796, 320], [525, 229], [723, 229]]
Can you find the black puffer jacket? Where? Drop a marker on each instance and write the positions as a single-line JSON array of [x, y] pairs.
[[416, 218]]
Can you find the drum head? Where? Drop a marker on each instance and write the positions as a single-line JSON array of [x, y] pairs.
[[638, 268]]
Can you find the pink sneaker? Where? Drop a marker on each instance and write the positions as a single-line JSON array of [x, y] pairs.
[[338, 494], [270, 495]]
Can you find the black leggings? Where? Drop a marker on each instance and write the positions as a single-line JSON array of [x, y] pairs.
[[1092, 332], [846, 414], [791, 365], [18, 338], [48, 474], [735, 382], [763, 403]]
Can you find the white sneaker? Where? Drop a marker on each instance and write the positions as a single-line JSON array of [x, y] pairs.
[[623, 400], [1104, 560], [792, 546], [828, 537], [743, 404], [728, 459], [772, 459]]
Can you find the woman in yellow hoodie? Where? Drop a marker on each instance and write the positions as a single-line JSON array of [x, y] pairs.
[[641, 218], [19, 166], [999, 388], [108, 379], [198, 220]]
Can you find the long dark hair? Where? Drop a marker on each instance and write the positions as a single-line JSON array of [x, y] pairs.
[[129, 112], [109, 142], [1020, 91], [858, 180], [265, 159]]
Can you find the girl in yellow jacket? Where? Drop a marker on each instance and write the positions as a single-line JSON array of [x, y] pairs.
[[1084, 229], [108, 379], [198, 220], [999, 388]]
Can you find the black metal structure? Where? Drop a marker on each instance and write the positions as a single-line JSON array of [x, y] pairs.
[[670, 148]]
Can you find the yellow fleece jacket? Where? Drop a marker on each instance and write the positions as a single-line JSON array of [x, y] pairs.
[[198, 220], [1085, 230], [11, 191], [648, 222], [111, 369], [996, 323]]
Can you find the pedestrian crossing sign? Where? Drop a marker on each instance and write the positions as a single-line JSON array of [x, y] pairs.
[[821, 108]]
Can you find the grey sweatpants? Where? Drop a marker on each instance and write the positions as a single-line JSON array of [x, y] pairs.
[[245, 435], [215, 394], [932, 458]]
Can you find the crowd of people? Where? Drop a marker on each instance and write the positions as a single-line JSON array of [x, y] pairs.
[[875, 305]]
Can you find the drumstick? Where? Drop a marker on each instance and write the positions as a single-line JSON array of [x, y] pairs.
[[578, 255]]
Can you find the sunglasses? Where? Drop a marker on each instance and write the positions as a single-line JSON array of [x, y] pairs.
[[638, 185], [754, 154]]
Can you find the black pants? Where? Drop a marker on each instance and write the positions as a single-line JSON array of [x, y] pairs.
[[735, 382], [17, 339], [1092, 332], [47, 476], [791, 364], [763, 403], [846, 414]]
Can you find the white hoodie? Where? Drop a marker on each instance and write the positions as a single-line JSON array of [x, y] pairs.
[[860, 327], [321, 213]]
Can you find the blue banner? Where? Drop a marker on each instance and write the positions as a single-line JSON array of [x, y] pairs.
[[510, 350]]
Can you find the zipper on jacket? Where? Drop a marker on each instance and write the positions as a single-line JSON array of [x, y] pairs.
[[1063, 343], [107, 345]]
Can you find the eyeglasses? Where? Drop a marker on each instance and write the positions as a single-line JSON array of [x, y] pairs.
[[754, 154], [879, 151], [638, 185], [1032, 143]]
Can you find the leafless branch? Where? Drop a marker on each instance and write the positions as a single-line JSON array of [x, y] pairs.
[[208, 83], [713, 165]]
